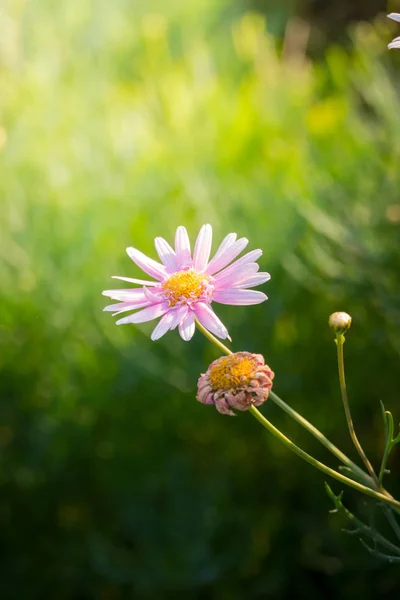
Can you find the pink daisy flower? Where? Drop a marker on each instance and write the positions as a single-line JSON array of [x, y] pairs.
[[186, 286], [396, 42]]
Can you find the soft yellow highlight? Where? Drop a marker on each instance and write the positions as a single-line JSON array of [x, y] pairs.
[[185, 285], [232, 371]]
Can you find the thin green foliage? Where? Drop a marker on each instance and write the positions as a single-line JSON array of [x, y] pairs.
[[390, 441], [118, 122]]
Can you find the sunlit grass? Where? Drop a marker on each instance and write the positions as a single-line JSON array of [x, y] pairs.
[[117, 124]]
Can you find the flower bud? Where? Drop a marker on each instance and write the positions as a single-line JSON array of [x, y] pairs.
[[340, 322], [237, 381]]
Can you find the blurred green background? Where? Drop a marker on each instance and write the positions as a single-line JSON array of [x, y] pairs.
[[120, 121]]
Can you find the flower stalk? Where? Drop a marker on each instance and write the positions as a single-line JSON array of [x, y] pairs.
[[321, 438], [367, 490], [317, 464], [212, 338], [340, 339]]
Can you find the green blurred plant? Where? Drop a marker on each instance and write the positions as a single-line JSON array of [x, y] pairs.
[[390, 441], [366, 531], [120, 120], [340, 323]]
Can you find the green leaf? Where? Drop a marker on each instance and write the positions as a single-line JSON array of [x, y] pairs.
[[360, 528], [380, 555], [385, 425], [396, 440], [336, 499], [390, 425]]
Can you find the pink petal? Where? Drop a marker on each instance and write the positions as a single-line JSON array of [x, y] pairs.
[[202, 248], [187, 327], [394, 43], [204, 393], [394, 16], [179, 314], [209, 319], [227, 255], [226, 243], [147, 314], [129, 308], [209, 398], [237, 275], [223, 407], [123, 295], [138, 281], [239, 297], [182, 247], [148, 265], [125, 306], [163, 326], [151, 296], [257, 279], [247, 258], [166, 253]]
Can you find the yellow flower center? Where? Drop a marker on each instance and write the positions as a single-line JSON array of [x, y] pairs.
[[185, 286], [232, 371]]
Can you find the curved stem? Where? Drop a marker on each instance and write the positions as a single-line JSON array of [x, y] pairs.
[[392, 520], [296, 416], [321, 438], [316, 463], [212, 338], [383, 464], [385, 497], [359, 526], [342, 381]]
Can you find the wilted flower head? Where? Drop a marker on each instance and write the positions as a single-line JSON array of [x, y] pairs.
[[396, 42], [186, 286], [237, 381]]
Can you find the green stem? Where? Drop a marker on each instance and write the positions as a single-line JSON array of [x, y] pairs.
[[358, 486], [392, 520], [385, 457], [391, 559], [212, 339], [296, 416], [361, 527], [316, 463], [342, 381], [321, 438]]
